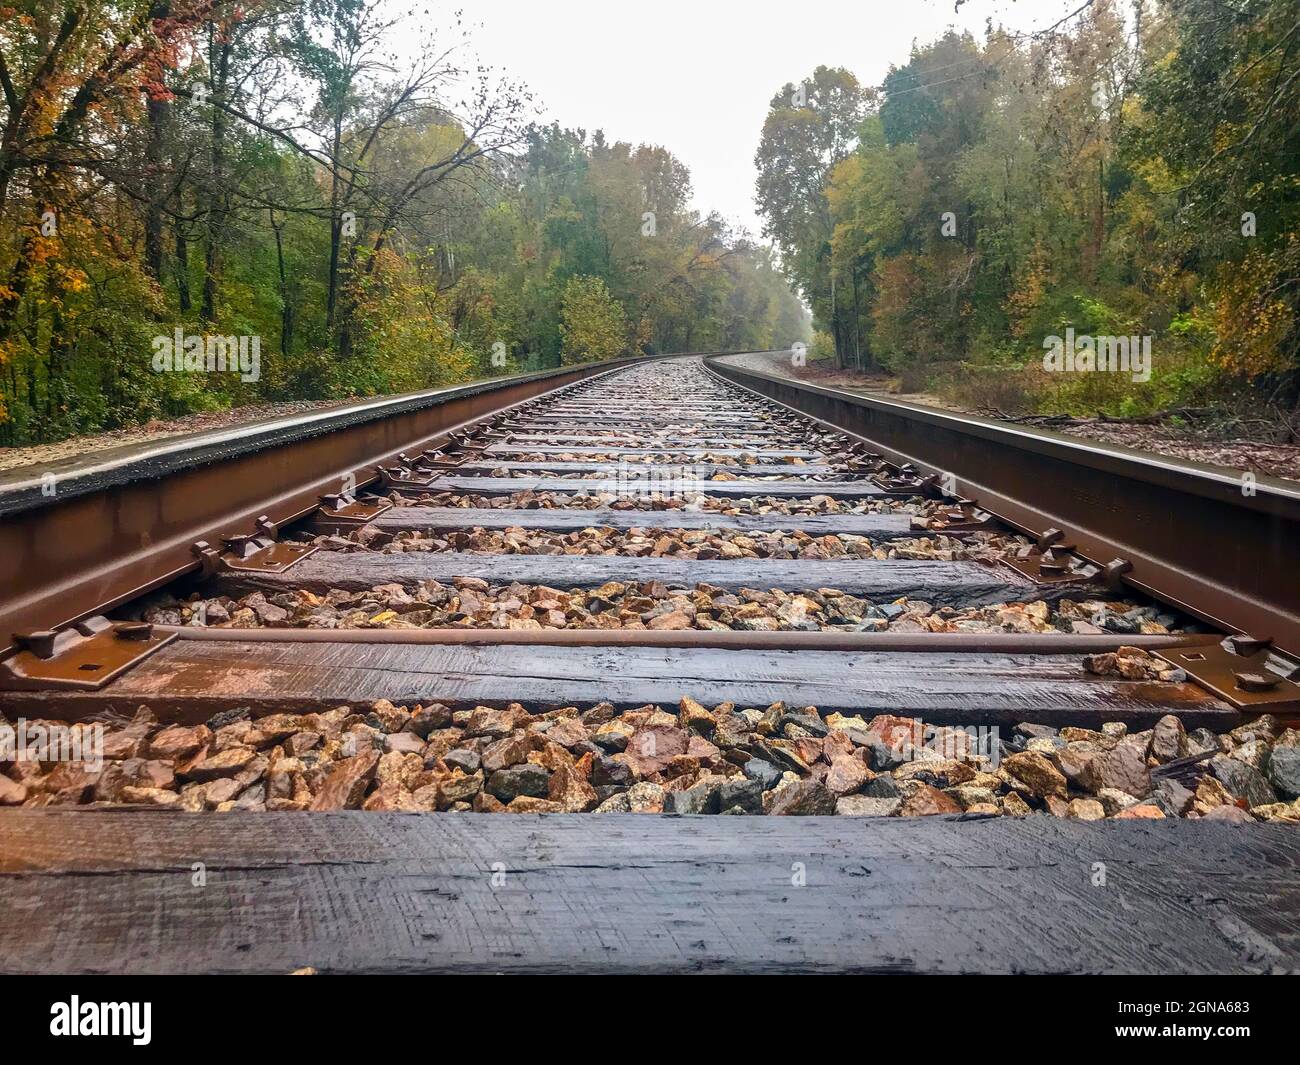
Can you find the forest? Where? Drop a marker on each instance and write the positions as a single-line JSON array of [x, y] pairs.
[[335, 187], [1132, 171]]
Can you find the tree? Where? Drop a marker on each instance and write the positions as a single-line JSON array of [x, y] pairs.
[[593, 324], [809, 130]]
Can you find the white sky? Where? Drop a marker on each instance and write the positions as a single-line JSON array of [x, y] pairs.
[[696, 75]]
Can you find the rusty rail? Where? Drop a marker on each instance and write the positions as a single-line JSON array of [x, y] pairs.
[[81, 536], [957, 642], [1216, 545]]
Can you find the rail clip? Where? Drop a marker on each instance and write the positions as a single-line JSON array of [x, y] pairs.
[[258, 552], [345, 512], [1237, 673], [84, 657]]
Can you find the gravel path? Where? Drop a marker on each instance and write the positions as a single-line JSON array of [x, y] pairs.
[[12, 458]]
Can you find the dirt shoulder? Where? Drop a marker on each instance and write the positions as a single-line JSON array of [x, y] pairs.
[[12, 458]]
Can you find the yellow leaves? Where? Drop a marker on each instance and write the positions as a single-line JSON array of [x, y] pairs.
[[1250, 322], [75, 280]]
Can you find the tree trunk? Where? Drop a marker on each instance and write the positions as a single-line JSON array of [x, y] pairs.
[[286, 302], [216, 205], [153, 221], [336, 226], [182, 257]]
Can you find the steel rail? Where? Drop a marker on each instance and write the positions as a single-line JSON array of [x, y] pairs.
[[81, 536], [1218, 546], [944, 642]]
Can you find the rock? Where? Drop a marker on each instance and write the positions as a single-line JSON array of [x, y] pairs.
[[1035, 773], [391, 798], [804, 798], [1168, 740], [1171, 797], [346, 784], [459, 787], [403, 743], [810, 723], [1201, 740], [223, 764], [485, 721], [883, 756], [865, 806], [463, 759], [1031, 731], [11, 792], [1234, 814], [1288, 812], [613, 736], [1144, 811], [941, 773], [485, 803], [527, 779], [654, 747], [178, 741], [302, 742], [926, 801], [731, 730], [615, 804], [1209, 795], [1074, 734], [695, 718], [1255, 753], [1072, 761], [1284, 771], [899, 734], [1085, 810], [149, 796], [1014, 806], [882, 787], [505, 752], [1057, 806], [1264, 727], [1242, 781], [645, 798], [847, 774], [701, 750], [571, 789], [702, 798], [531, 804], [968, 795], [428, 718], [743, 792], [1123, 768], [612, 770], [569, 733]]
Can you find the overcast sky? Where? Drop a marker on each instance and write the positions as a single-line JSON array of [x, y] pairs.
[[696, 75]]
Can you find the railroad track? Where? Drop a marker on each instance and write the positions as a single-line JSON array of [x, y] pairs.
[[916, 658]]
